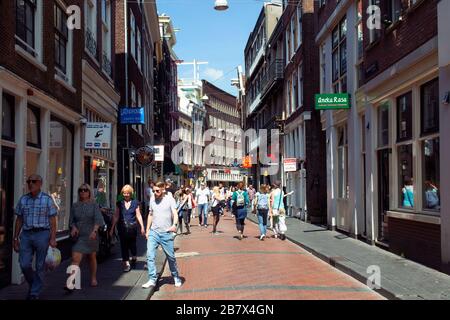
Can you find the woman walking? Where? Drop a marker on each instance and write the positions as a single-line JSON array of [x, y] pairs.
[[277, 211], [261, 205], [184, 211], [85, 219], [129, 219], [216, 207], [240, 201]]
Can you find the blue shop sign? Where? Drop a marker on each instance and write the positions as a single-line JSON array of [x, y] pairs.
[[132, 116]]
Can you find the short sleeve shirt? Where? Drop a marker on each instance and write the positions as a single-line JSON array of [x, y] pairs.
[[161, 213], [36, 211]]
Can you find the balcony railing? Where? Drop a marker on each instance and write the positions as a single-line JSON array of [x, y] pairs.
[[91, 44], [273, 74], [106, 65]]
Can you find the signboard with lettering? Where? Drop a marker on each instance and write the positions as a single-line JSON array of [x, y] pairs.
[[159, 153], [98, 135], [332, 101], [132, 116], [290, 164]]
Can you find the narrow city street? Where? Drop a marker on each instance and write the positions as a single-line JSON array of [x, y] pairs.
[[222, 267]]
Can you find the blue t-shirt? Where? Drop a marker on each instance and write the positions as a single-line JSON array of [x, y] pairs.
[[129, 215]]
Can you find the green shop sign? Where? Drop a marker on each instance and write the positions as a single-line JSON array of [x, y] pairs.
[[332, 101]]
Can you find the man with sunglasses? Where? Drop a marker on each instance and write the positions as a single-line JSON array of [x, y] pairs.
[[161, 227], [36, 218]]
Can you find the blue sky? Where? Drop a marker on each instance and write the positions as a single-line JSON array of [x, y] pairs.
[[218, 37]]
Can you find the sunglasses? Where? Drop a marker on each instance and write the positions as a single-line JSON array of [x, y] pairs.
[[33, 181], [83, 190], [157, 191]]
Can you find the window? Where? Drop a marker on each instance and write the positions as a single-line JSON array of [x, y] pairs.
[[429, 107], [339, 57], [33, 127], [404, 117], [8, 111], [299, 21], [300, 85], [295, 83], [25, 25], [61, 40], [133, 95], [360, 44], [133, 35], [406, 181], [374, 34], [60, 170], [394, 10], [383, 123], [139, 49], [106, 9], [294, 29], [91, 26], [106, 37], [323, 67], [431, 174], [343, 189], [288, 44]]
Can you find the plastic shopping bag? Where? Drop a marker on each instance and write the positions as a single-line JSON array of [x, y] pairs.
[[53, 258]]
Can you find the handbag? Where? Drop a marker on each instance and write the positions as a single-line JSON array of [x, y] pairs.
[[130, 229], [277, 212]]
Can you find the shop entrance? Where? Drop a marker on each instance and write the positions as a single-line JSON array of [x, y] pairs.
[[6, 215], [383, 192]]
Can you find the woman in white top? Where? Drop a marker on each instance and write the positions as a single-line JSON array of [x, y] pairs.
[[216, 207]]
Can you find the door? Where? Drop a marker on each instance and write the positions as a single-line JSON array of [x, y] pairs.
[[383, 191], [6, 215]]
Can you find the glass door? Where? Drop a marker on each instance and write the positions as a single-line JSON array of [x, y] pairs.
[[6, 215], [383, 191]]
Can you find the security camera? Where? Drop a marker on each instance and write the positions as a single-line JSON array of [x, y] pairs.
[[83, 121]]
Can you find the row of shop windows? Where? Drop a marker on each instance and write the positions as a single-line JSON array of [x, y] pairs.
[[417, 148]]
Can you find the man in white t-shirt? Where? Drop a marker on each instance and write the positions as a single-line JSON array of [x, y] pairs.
[[203, 195], [161, 228]]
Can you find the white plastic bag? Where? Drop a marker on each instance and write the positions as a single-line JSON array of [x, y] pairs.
[[53, 258]]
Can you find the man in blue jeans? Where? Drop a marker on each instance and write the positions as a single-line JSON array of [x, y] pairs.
[[161, 228], [36, 218], [203, 196]]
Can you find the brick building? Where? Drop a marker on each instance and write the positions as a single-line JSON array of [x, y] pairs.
[[41, 104], [384, 155]]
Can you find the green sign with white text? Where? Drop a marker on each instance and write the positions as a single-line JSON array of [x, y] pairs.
[[332, 101]]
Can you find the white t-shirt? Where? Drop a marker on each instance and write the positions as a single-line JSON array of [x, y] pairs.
[[202, 195]]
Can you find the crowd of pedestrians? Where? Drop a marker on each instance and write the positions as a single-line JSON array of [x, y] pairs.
[[165, 212]]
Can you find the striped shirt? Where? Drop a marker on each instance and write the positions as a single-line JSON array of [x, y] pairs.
[[36, 211]]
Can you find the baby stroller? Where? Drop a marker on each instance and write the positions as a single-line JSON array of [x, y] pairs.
[[106, 242]]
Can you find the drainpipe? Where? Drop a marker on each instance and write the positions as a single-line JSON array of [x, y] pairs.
[[125, 4]]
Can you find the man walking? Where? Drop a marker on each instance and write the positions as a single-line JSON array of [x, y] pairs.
[[36, 218], [161, 228], [203, 196]]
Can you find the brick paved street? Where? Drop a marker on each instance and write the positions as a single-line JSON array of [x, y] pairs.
[[223, 267]]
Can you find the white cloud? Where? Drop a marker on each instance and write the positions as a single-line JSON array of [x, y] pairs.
[[213, 74]]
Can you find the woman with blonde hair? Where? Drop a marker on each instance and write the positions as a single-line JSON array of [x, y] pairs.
[[129, 219], [85, 219], [216, 207], [262, 206]]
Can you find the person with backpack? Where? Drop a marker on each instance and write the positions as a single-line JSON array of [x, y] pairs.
[[277, 211], [261, 208], [241, 201]]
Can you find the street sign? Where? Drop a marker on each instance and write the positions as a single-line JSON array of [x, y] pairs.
[[132, 116], [159, 153], [332, 101], [290, 164], [98, 135]]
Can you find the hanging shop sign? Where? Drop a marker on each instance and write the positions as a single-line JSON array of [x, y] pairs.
[[290, 164], [132, 116], [144, 156], [159, 153], [98, 135], [332, 101]]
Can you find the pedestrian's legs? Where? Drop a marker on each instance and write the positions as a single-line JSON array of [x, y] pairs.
[[200, 214], [167, 245], [152, 245], [264, 221], [205, 214], [242, 225], [133, 248], [180, 221], [93, 267], [41, 240], [276, 226], [238, 224], [186, 215], [124, 247], [260, 222], [26, 253], [189, 216], [282, 224]]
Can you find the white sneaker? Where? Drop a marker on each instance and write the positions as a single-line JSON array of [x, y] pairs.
[[148, 284], [177, 281]]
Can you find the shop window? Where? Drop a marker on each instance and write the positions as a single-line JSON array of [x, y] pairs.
[[383, 123], [429, 107], [404, 117], [431, 174], [100, 182], [8, 111], [33, 127], [32, 162], [406, 179], [343, 189], [25, 25], [59, 170]]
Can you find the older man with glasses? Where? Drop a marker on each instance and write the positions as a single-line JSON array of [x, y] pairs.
[[36, 218]]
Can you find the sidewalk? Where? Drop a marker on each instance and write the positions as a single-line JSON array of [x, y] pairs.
[[114, 284], [222, 267], [400, 278]]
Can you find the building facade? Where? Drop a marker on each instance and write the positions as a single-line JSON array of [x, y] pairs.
[[384, 155], [223, 151], [41, 104]]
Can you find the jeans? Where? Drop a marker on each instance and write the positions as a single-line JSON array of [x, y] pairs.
[[262, 219], [184, 215], [30, 243], [203, 212], [156, 239]]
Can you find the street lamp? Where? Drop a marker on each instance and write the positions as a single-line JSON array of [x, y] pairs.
[[221, 5]]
